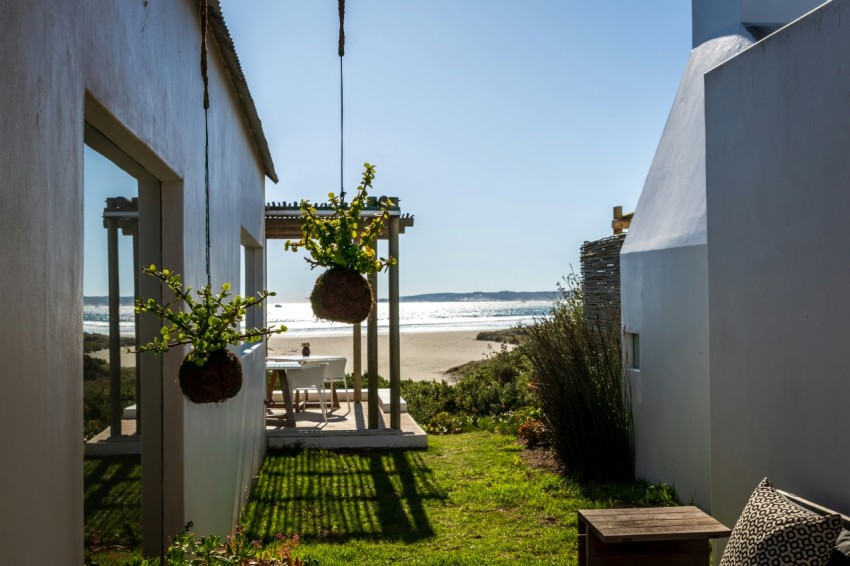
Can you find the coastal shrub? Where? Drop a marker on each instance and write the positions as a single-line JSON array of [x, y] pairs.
[[96, 394], [426, 399], [94, 368], [581, 386], [496, 385], [489, 394], [508, 335]]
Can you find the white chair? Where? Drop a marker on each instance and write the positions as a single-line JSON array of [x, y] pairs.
[[335, 373], [307, 378]]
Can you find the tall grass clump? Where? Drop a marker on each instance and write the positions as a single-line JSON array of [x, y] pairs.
[[581, 386]]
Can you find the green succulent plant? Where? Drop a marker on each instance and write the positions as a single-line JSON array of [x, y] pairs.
[[210, 323], [344, 239]]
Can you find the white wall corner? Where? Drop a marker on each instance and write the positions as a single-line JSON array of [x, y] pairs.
[[775, 12], [714, 18]]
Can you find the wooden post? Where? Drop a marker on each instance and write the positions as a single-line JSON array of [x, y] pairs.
[[358, 363], [395, 362], [372, 353], [136, 296], [618, 215], [114, 330]]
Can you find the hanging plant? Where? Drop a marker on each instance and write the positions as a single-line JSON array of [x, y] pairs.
[[344, 243], [210, 373]]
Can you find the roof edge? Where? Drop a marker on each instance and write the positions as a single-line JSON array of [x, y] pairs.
[[240, 86]]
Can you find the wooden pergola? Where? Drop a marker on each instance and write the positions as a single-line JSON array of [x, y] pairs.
[[283, 222], [121, 214]]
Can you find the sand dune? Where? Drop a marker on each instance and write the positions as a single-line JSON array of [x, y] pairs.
[[424, 356]]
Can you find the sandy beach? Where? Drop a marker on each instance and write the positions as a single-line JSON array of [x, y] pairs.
[[424, 356]]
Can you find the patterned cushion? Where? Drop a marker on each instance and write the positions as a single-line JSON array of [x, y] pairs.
[[773, 531]]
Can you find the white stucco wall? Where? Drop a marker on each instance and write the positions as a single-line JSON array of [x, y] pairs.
[[778, 133], [775, 11], [138, 61], [670, 391], [713, 18], [664, 292], [716, 18]]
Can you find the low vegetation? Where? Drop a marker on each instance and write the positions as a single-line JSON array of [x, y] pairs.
[[93, 342], [506, 336], [582, 391], [96, 394], [490, 394]]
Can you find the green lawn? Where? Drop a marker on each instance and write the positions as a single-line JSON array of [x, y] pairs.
[[468, 499], [113, 501]]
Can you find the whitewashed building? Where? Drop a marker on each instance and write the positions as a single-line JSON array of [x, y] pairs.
[[778, 188], [124, 78], [670, 261]]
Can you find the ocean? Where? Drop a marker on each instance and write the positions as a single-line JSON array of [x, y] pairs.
[[413, 317]]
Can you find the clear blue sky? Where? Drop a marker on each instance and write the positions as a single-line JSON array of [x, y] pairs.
[[510, 129]]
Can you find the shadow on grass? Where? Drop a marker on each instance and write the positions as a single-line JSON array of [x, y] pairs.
[[113, 500], [336, 497]]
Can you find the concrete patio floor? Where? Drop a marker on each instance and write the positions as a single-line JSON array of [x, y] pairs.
[[346, 428]]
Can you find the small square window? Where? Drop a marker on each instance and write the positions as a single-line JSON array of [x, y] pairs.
[[632, 347]]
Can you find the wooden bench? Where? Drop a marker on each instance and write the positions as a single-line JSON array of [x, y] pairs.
[[653, 536]]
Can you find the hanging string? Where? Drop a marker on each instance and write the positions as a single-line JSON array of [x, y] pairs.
[[341, 51], [204, 23]]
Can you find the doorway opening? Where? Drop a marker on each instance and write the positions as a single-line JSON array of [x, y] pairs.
[[122, 227]]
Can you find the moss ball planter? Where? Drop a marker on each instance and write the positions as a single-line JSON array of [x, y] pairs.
[[219, 379], [342, 295]]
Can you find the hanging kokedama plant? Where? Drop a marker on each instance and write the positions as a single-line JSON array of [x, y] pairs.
[[345, 244], [210, 373]]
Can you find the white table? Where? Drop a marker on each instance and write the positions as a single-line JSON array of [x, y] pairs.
[[278, 368], [309, 360]]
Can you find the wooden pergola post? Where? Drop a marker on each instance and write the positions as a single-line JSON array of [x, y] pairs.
[[395, 357], [358, 364], [372, 354], [114, 329], [138, 329], [121, 213]]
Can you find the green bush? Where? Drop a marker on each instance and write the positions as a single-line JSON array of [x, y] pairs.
[[96, 395], [579, 379], [497, 385], [425, 399], [94, 368], [488, 395]]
